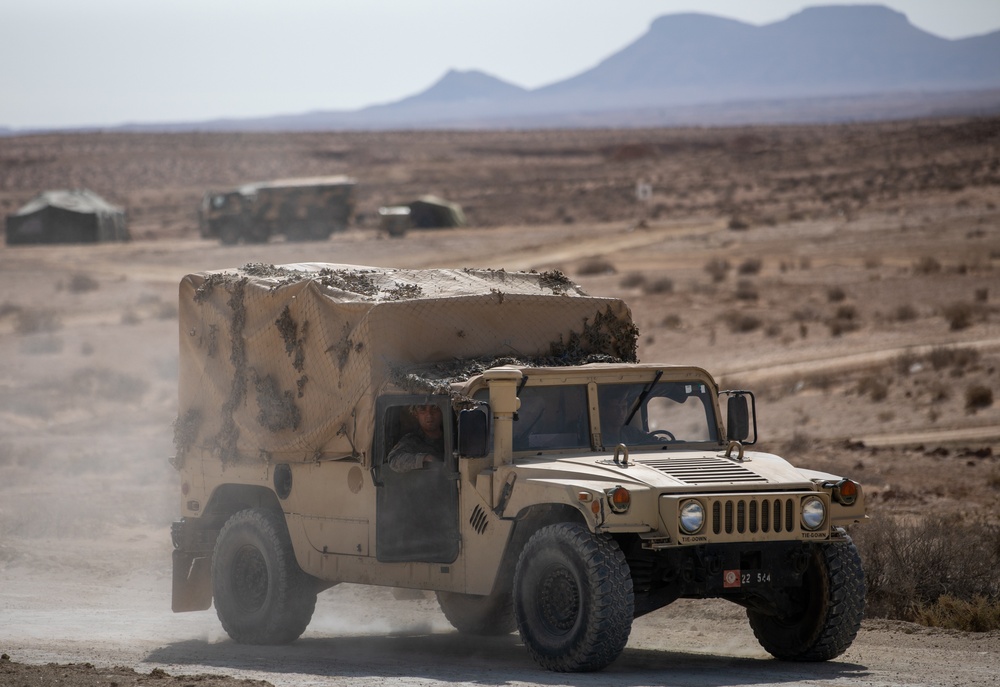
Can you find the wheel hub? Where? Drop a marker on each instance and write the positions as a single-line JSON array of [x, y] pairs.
[[250, 578], [559, 600]]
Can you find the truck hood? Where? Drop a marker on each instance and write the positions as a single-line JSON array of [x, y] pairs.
[[678, 471]]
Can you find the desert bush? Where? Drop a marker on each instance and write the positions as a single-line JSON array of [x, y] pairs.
[[595, 266], [82, 283], [978, 615], [742, 323], [746, 291], [959, 358], [905, 313], [718, 269], [750, 266], [799, 443], [874, 387], [959, 315], [835, 294], [36, 321], [659, 286], [844, 320], [927, 265], [910, 567], [166, 311], [99, 382], [131, 317], [982, 295], [872, 263], [632, 280], [978, 397], [672, 321], [739, 224]]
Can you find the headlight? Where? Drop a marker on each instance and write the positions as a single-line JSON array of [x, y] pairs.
[[813, 512], [692, 517]]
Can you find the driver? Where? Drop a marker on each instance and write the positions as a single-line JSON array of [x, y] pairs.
[[420, 448]]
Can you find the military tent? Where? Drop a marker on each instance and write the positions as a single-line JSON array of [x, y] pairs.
[[67, 216], [431, 211]]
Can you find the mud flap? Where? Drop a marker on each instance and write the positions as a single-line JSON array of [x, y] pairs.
[[192, 585]]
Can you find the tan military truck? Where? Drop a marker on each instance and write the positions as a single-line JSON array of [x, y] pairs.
[[306, 209], [576, 489]]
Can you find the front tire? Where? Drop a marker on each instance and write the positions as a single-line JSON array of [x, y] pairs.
[[830, 605], [261, 594], [486, 616], [573, 598]]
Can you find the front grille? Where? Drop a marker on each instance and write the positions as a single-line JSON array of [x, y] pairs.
[[742, 515], [703, 470]]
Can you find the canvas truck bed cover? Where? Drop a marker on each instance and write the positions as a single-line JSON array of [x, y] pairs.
[[285, 362]]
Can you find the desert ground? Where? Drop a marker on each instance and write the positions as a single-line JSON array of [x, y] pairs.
[[849, 275]]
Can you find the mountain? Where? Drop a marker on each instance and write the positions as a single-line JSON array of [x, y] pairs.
[[829, 63], [819, 52]]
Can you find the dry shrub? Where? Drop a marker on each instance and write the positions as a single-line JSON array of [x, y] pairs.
[[978, 397], [958, 358], [131, 317], [746, 291], [595, 266], [632, 280], [978, 615], [661, 285], [905, 313], [672, 321], [100, 382], [82, 283], [911, 567], [959, 315], [835, 294], [717, 268], [166, 311], [982, 295], [36, 321], [844, 320], [874, 387], [927, 265], [750, 266], [742, 323]]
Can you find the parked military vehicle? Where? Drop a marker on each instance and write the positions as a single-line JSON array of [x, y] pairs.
[[307, 209], [576, 488]]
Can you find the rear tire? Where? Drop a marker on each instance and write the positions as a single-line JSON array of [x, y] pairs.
[[573, 598], [261, 594], [831, 602], [487, 616]]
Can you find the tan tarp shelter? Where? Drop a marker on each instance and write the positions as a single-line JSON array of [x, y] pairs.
[[67, 216], [287, 361]]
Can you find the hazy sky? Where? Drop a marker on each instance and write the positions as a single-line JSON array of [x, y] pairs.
[[107, 62]]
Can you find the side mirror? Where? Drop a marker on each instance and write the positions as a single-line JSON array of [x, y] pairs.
[[740, 415], [474, 433]]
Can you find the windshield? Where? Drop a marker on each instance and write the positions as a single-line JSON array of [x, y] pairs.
[[556, 417], [665, 412]]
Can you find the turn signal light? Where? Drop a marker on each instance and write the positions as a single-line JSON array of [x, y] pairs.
[[619, 499], [846, 492]]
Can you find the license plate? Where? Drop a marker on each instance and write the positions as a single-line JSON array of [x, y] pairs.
[[734, 579]]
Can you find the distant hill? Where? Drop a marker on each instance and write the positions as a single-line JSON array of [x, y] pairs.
[[829, 63]]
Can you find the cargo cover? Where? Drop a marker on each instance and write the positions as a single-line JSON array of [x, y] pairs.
[[285, 362]]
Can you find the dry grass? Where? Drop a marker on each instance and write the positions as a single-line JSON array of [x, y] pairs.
[[941, 571]]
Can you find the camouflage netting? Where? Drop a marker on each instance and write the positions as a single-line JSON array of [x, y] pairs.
[[285, 362]]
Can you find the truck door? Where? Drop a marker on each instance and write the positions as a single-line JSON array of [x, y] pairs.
[[416, 509]]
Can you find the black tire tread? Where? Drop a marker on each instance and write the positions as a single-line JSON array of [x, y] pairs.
[[295, 591], [844, 610], [610, 622]]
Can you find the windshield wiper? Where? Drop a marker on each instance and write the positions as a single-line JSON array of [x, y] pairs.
[[642, 397]]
